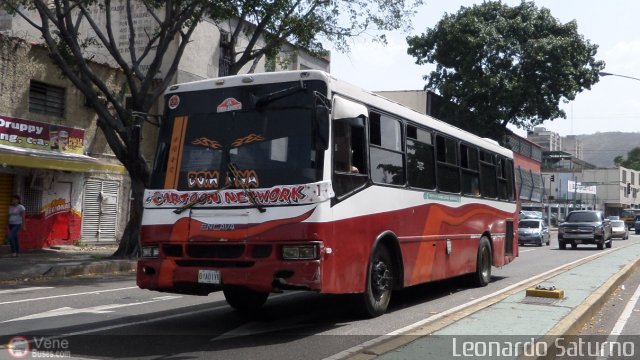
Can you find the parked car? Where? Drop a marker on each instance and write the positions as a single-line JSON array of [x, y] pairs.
[[533, 231], [619, 230], [585, 227], [636, 224]]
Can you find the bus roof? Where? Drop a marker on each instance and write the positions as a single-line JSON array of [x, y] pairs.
[[347, 90]]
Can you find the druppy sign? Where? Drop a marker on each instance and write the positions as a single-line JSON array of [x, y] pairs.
[[37, 135]]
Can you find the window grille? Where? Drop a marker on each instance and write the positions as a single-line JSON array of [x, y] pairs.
[[46, 99], [32, 196]]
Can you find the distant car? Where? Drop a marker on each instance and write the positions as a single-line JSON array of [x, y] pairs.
[[619, 230], [636, 224], [585, 227], [533, 231], [613, 218]]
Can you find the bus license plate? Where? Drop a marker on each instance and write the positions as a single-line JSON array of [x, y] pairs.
[[209, 276]]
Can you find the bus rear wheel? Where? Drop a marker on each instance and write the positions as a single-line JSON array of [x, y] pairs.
[[482, 276], [379, 285], [243, 299]]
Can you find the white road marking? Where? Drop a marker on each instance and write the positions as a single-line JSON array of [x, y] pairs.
[[626, 313], [13, 291], [100, 309], [619, 325], [67, 295]]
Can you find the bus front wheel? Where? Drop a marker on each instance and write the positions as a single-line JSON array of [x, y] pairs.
[[243, 299], [482, 276], [379, 284]]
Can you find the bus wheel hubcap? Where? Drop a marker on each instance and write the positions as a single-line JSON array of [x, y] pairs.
[[380, 278]]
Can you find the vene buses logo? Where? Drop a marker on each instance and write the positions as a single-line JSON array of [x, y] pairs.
[[18, 347]]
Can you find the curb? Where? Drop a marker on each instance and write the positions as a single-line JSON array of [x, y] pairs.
[[88, 268], [94, 268]]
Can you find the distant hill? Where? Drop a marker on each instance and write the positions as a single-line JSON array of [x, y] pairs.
[[600, 148]]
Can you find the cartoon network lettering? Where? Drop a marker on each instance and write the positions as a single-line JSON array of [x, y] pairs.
[[293, 194], [210, 179]]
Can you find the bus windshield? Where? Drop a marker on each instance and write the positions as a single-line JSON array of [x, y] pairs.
[[269, 148], [269, 145]]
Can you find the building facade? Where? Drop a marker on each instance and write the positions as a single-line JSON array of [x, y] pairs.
[[52, 154]]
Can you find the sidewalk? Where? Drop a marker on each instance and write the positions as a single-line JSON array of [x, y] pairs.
[[513, 319], [61, 261]]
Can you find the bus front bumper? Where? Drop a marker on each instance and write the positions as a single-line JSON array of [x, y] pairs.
[[198, 278]]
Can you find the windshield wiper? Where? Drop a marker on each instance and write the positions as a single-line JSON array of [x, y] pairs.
[[250, 194], [198, 200], [263, 100]]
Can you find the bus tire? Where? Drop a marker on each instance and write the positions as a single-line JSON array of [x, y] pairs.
[[243, 299], [482, 276], [379, 283]]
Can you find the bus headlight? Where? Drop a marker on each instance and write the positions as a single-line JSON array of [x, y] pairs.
[[151, 251], [299, 252]]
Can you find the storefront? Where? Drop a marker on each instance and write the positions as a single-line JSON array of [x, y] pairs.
[[68, 196]]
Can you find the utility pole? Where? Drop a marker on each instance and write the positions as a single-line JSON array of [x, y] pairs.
[[575, 191]]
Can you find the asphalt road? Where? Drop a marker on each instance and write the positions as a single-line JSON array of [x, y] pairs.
[[111, 318]]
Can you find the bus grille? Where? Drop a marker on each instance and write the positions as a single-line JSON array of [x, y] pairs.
[[215, 251], [214, 263]]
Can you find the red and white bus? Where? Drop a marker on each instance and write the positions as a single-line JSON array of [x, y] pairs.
[[297, 180]]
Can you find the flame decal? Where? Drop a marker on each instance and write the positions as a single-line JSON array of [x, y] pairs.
[[207, 143], [247, 139]]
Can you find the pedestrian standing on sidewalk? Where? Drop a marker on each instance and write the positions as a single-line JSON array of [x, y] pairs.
[[16, 223]]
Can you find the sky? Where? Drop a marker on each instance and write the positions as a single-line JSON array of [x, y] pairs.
[[612, 104]]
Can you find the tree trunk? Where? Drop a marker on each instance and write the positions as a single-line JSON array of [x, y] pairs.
[[129, 246]]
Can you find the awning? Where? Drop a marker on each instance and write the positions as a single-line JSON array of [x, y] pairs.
[[41, 159]]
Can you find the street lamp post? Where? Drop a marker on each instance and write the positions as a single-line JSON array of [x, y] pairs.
[[602, 73]]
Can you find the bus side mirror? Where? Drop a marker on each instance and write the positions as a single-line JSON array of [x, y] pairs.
[[321, 122]]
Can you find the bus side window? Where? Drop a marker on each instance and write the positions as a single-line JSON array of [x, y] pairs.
[[505, 179], [469, 170], [387, 157], [447, 159], [349, 157], [421, 166], [488, 176]]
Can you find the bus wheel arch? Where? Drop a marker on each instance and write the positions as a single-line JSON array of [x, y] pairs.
[[389, 240], [383, 274]]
